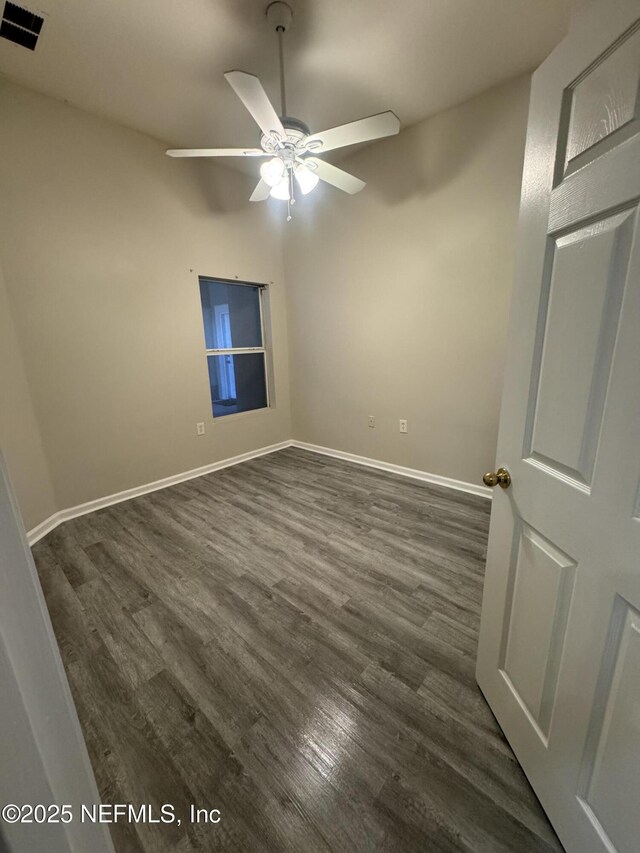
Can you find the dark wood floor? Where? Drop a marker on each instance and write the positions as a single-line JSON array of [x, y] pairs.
[[291, 641]]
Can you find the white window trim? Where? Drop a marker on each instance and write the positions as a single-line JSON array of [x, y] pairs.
[[231, 350]]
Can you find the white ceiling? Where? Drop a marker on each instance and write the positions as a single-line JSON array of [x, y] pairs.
[[157, 65]]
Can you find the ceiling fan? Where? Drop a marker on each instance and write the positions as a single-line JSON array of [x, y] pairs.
[[287, 142]]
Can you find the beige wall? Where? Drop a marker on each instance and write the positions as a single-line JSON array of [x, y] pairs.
[[102, 238], [399, 296], [20, 439]]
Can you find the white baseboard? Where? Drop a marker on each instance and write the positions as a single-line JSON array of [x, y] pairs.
[[57, 518], [414, 473], [36, 533], [46, 526]]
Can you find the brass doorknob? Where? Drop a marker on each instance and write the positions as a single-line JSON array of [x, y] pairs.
[[501, 478]]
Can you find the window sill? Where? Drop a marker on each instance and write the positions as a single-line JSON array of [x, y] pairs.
[[235, 415]]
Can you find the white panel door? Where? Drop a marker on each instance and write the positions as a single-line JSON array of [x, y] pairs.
[[43, 756], [559, 653]]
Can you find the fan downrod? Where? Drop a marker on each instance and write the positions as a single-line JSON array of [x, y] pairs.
[[279, 15]]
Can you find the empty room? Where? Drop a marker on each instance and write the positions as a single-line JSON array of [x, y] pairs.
[[320, 426]]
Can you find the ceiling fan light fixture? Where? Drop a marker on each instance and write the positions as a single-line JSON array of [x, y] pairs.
[[286, 143], [281, 189], [272, 171], [306, 179]]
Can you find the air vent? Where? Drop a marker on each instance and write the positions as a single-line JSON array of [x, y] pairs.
[[20, 25]]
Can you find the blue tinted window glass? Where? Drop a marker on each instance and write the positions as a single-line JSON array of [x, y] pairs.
[[231, 314], [237, 383]]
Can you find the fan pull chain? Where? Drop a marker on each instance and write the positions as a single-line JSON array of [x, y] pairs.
[[291, 199]]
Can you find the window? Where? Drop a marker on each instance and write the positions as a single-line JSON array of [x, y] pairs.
[[234, 340]]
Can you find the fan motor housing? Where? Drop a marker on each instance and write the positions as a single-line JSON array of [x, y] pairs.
[[291, 123], [297, 132]]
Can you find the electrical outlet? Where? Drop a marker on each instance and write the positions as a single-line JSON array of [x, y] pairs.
[[371, 421], [200, 428], [404, 426]]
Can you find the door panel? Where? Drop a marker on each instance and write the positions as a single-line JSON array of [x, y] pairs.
[[604, 100], [537, 619], [559, 652], [580, 324], [611, 770]]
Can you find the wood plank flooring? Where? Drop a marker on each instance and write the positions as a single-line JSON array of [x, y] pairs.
[[290, 641]]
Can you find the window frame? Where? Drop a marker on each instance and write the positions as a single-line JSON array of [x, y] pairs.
[[262, 289]]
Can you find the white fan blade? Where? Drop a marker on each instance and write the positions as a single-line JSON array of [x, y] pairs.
[[249, 89], [363, 130], [261, 192], [332, 175], [217, 152]]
